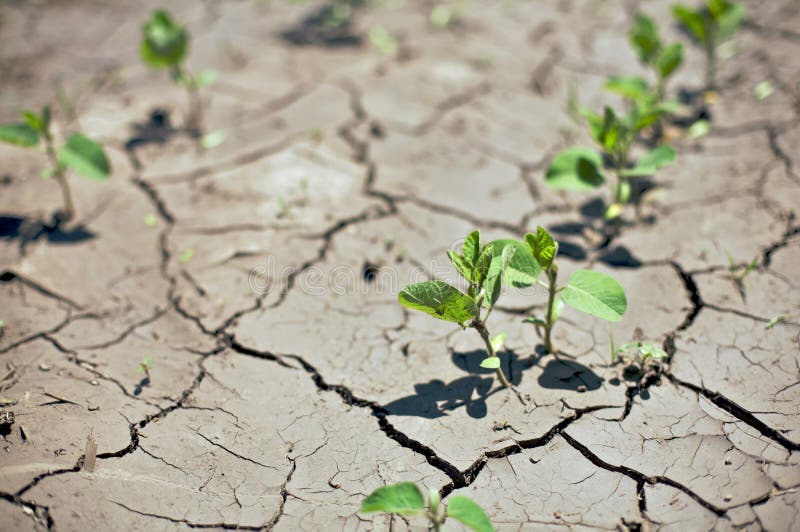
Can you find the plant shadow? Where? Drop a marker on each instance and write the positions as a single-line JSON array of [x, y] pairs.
[[562, 374], [140, 385], [323, 27], [435, 398], [156, 130], [28, 230]]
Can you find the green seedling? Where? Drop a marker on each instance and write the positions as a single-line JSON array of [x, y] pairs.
[[382, 40], [165, 45], [661, 58], [145, 366], [582, 168], [710, 25], [776, 320], [591, 292], [406, 499], [78, 153], [484, 267], [737, 273], [640, 358]]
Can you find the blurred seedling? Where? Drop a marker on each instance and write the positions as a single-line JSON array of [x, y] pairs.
[[738, 272], [639, 358], [78, 153], [710, 25], [145, 366], [591, 292], [582, 169], [406, 499], [663, 59], [485, 268], [776, 320], [165, 45]]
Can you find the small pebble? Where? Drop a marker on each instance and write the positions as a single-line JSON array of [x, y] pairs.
[[44, 367], [728, 461], [727, 498], [557, 515], [581, 388], [94, 383]]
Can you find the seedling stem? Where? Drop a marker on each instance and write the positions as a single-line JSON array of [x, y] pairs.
[[59, 176]]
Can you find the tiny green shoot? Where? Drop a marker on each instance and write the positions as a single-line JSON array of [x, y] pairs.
[[186, 255], [382, 40], [78, 153], [639, 358], [406, 499], [484, 267], [710, 26], [591, 292], [763, 90], [150, 220], [165, 45], [145, 366], [770, 324], [738, 272]]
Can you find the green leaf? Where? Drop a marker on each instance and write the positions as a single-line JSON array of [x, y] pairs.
[[460, 264], [613, 211], [644, 39], [440, 300], [763, 90], [651, 162], [597, 294], [469, 514], [595, 123], [575, 169], [403, 498], [699, 129], [497, 341], [35, 121], [482, 264], [382, 40], [490, 362], [472, 248], [776, 320], [728, 17], [205, 78], [691, 20], [611, 130], [521, 270], [19, 134], [164, 43], [212, 139], [669, 60], [85, 156], [630, 87], [543, 247]]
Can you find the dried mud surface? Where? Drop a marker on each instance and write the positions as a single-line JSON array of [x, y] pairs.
[[282, 408]]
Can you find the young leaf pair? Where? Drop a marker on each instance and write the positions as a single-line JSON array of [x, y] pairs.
[[518, 264], [165, 45], [483, 267], [582, 168], [590, 292], [406, 499], [79, 153]]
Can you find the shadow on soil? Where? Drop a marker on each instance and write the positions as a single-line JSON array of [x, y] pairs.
[[325, 26], [28, 230], [569, 375], [436, 398]]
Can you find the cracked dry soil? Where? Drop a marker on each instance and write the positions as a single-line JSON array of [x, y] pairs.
[[283, 409]]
